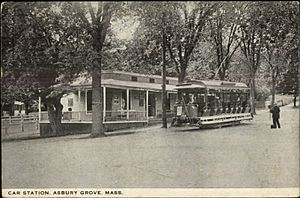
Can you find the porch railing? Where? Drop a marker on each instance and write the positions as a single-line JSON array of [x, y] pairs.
[[119, 115], [122, 115], [170, 113]]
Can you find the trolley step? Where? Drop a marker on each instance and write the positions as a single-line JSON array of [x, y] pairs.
[[231, 118]]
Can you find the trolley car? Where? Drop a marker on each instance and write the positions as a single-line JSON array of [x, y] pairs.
[[211, 103]]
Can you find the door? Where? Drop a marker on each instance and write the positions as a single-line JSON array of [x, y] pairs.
[[151, 105]]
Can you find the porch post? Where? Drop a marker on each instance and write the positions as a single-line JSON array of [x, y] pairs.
[[104, 103], [147, 108], [85, 100], [40, 110], [127, 102], [79, 104], [206, 93]]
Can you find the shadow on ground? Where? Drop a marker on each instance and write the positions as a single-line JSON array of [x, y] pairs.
[[197, 129], [106, 135]]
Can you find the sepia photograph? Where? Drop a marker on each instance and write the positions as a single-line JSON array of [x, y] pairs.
[[150, 99]]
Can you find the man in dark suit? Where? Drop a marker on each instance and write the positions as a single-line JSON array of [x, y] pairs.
[[275, 115]]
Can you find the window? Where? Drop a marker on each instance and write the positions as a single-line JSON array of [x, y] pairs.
[[168, 101], [134, 78], [141, 99], [89, 100], [70, 102], [152, 80], [123, 100], [167, 82]]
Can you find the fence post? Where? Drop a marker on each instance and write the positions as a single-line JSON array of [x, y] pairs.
[[9, 118], [22, 123]]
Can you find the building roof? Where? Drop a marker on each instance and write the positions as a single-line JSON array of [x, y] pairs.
[[87, 82], [227, 84], [188, 85], [86, 79], [136, 85], [137, 74], [213, 84]]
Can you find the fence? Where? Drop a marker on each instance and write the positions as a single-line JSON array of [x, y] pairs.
[[110, 116], [19, 124]]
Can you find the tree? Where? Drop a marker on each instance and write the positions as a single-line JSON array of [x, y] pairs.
[[7, 96], [189, 20], [202, 64], [38, 40], [155, 17], [54, 43], [252, 40], [223, 33], [164, 23], [289, 84], [97, 19], [13, 24], [143, 54], [24, 90], [273, 54], [281, 21]]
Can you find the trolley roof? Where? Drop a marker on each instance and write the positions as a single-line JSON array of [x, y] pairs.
[[212, 84]]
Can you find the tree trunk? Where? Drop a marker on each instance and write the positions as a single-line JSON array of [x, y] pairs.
[[297, 90], [97, 106], [273, 88], [55, 114], [181, 75], [252, 94], [11, 109], [100, 24], [26, 108], [221, 67], [2, 109], [221, 74], [219, 62], [164, 92]]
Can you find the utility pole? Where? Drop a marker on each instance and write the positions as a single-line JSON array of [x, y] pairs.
[[164, 92]]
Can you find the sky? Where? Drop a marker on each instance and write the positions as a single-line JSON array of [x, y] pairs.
[[124, 28]]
